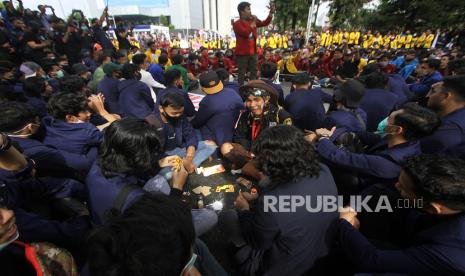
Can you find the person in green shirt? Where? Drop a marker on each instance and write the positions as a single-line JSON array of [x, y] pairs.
[[186, 77]]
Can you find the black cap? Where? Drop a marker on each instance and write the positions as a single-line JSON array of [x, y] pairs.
[[210, 82], [79, 68], [350, 93]]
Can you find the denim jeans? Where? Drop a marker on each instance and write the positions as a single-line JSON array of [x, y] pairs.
[[201, 154]]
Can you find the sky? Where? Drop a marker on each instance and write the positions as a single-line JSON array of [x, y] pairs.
[[259, 9]]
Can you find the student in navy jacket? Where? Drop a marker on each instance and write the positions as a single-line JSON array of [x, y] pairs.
[[174, 82], [135, 100], [223, 74], [305, 105], [447, 98], [274, 241], [68, 128], [345, 111], [437, 246], [267, 74], [20, 122], [108, 86], [19, 187], [382, 159], [377, 102], [179, 136], [218, 111], [431, 76], [129, 155], [35, 90]]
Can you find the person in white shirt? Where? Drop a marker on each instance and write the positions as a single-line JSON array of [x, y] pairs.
[[142, 61]]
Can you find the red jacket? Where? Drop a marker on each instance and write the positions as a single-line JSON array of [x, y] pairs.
[[226, 64], [246, 36]]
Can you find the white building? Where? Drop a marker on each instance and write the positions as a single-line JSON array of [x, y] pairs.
[[184, 14]]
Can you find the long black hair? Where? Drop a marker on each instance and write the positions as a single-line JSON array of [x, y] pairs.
[[130, 146], [284, 155]]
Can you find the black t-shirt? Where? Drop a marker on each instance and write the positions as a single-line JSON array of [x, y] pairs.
[[73, 47], [122, 41], [29, 53]]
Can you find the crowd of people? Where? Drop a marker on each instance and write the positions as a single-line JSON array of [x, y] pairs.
[[97, 143]]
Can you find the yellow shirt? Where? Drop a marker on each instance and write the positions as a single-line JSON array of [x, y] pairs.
[[429, 41], [262, 42], [351, 37], [271, 42], [357, 38], [408, 41], [285, 39]]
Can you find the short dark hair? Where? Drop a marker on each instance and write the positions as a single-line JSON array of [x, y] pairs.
[[268, 70], [438, 179], [456, 66], [173, 99], [416, 120], [177, 59], [128, 71], [456, 84], [171, 76], [71, 84], [163, 59], [241, 7], [130, 146], [154, 236], [223, 74], [139, 59], [284, 155], [376, 79], [15, 115], [62, 104], [301, 78], [433, 63], [34, 86], [48, 66]]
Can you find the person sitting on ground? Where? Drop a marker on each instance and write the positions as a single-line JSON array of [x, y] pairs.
[[224, 77], [173, 79], [218, 110], [128, 167], [179, 136], [262, 112], [268, 245], [398, 138], [36, 90], [437, 246], [430, 75], [268, 75], [345, 111]]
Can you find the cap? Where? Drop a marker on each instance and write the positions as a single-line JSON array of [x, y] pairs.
[[29, 69], [79, 68], [111, 67], [349, 93], [259, 88], [210, 82]]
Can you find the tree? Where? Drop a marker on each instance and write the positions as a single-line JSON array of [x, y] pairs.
[[346, 14]]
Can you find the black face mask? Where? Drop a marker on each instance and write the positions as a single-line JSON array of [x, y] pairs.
[[172, 120]]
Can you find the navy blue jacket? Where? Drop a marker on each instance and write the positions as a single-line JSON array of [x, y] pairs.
[[39, 105], [189, 109], [109, 88], [217, 115], [422, 88], [278, 88], [306, 108], [76, 138], [135, 100], [398, 86], [47, 157], [345, 119], [178, 135], [435, 250], [448, 136], [232, 85], [103, 191], [378, 104], [379, 161], [289, 243], [157, 72]]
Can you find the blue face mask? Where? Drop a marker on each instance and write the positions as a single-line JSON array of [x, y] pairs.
[[382, 126]]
